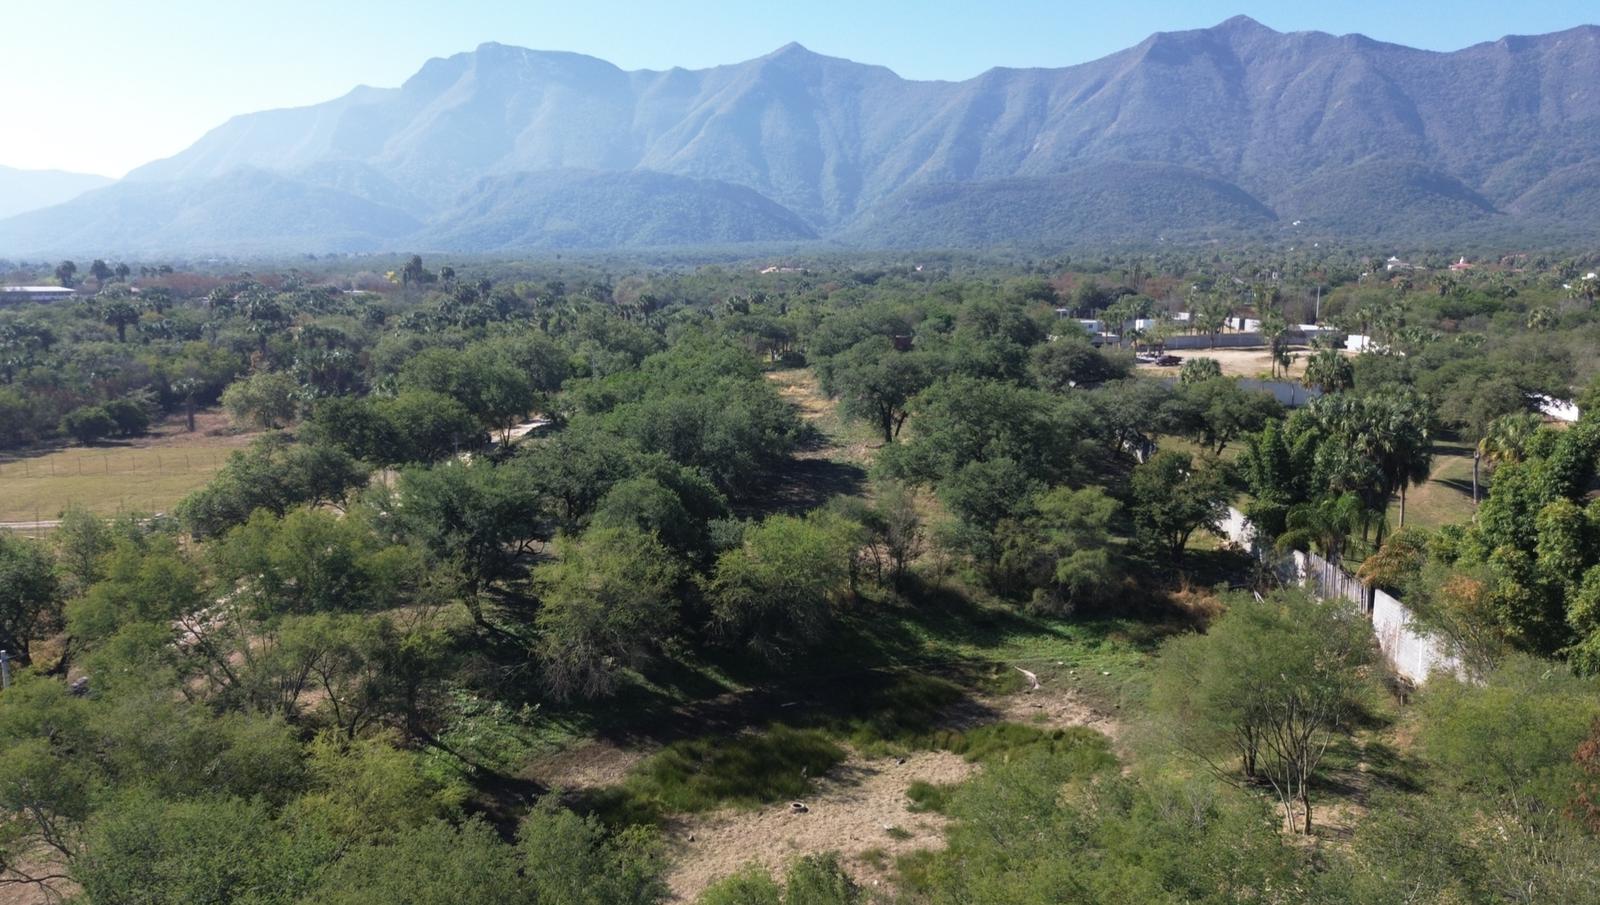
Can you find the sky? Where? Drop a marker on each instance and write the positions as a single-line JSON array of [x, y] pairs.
[[101, 86]]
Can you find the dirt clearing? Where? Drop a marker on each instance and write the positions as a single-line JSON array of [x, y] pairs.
[[858, 807]]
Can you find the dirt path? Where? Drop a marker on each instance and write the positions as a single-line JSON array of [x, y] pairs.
[[859, 808]]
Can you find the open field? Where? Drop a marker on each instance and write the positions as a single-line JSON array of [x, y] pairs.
[[146, 474], [1254, 363], [1446, 497]]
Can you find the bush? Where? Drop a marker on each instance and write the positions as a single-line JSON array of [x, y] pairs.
[[88, 424], [131, 418], [746, 770]]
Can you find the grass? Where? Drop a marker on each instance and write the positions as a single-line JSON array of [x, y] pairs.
[[149, 474], [1001, 741], [929, 796], [1446, 497], [746, 770]]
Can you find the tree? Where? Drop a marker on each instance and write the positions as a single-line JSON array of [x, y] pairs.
[[775, 592], [1275, 330], [1173, 497], [1215, 411], [121, 315], [1325, 525], [274, 474], [88, 424], [1328, 371], [101, 271], [1211, 315], [474, 516], [1071, 361], [986, 497], [1505, 440], [1272, 681], [30, 595], [1065, 547], [265, 400], [962, 419], [435, 864], [877, 382], [573, 860], [606, 605], [65, 271]]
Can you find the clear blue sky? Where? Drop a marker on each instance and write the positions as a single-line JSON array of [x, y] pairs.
[[105, 85]]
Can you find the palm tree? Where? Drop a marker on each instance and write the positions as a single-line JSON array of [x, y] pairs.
[[1325, 525], [1329, 372], [121, 315], [1541, 318], [1506, 440], [1275, 329]]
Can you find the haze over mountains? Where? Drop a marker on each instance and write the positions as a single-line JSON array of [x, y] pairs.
[[1231, 130], [26, 190]]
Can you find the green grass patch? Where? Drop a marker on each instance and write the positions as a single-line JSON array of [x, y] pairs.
[[743, 771], [929, 796], [1002, 741]]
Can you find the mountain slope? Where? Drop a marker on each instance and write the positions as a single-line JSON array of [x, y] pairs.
[[1104, 202], [1360, 137], [26, 190], [246, 211], [586, 209]]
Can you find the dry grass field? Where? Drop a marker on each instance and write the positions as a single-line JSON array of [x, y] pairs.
[[146, 474]]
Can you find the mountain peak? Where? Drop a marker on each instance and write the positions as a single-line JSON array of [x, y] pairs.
[[1242, 24]]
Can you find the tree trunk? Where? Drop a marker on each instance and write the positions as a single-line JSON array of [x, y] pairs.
[[1475, 458], [1402, 504], [1305, 805]]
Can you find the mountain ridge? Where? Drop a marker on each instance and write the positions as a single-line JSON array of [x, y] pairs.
[[1495, 133]]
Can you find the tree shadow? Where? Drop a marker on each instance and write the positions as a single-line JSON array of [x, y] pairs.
[[800, 486]]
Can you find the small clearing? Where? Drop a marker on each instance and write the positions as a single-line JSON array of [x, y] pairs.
[[859, 806]]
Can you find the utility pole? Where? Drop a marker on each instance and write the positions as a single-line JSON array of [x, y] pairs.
[[5, 669]]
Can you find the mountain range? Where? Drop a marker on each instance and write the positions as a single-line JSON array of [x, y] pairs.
[[26, 190], [1227, 131]]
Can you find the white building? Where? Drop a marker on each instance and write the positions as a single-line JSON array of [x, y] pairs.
[[15, 295]]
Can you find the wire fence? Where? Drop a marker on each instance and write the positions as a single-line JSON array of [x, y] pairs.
[[114, 462]]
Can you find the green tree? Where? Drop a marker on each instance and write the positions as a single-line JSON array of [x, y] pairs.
[[606, 606], [121, 315], [1272, 682], [1329, 371], [1064, 546], [30, 595], [101, 271], [1173, 497], [474, 516], [275, 474], [775, 593], [1215, 411], [1071, 361], [264, 400], [88, 424], [876, 383]]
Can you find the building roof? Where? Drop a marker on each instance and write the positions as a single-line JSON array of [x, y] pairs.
[[37, 289]]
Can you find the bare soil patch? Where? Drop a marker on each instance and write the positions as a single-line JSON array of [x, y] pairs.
[[859, 806]]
